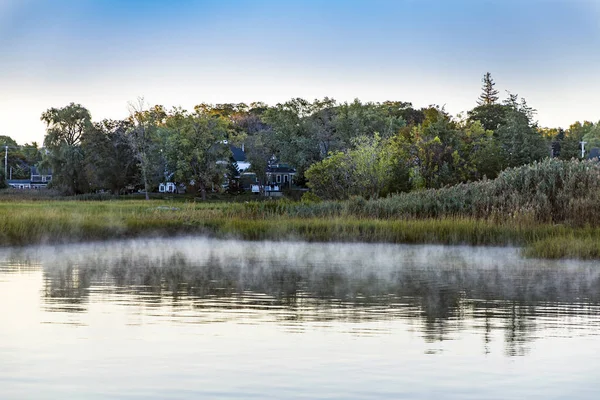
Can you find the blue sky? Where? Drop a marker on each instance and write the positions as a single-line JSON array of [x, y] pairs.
[[105, 53]]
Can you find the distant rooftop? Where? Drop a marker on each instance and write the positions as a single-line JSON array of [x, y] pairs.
[[283, 168], [238, 153], [35, 171]]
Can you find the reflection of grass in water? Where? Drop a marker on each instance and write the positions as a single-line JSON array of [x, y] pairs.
[[31, 222]]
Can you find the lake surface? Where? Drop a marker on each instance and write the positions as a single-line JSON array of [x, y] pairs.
[[194, 318]]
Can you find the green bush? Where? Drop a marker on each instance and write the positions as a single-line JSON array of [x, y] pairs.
[[550, 191]]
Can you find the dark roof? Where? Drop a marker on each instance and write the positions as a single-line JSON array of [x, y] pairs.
[[34, 171], [238, 153], [282, 168]]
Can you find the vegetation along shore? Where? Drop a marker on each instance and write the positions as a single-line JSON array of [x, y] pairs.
[[545, 207], [375, 172]]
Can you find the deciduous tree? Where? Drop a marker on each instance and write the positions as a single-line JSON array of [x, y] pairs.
[[65, 129]]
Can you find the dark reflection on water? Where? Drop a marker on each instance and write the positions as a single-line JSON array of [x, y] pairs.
[[441, 291], [199, 318]]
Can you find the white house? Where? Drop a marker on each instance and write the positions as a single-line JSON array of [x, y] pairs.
[[38, 180]]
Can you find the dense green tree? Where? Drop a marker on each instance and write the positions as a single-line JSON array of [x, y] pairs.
[[20, 157], [344, 149], [370, 169], [291, 134], [260, 151], [480, 153], [7, 141], [303, 133], [432, 150], [109, 159], [332, 178], [591, 136], [518, 135], [374, 166], [197, 146], [65, 129], [143, 138], [570, 146], [491, 116], [358, 119]]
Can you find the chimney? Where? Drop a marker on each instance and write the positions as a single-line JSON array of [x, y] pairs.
[[243, 147]]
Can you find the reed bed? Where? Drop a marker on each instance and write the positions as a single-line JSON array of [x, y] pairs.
[[550, 208], [37, 222], [551, 191]]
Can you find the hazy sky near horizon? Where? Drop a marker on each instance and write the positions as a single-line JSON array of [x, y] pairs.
[[105, 53]]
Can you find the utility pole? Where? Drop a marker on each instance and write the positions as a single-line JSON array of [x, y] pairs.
[[583, 148], [5, 159]]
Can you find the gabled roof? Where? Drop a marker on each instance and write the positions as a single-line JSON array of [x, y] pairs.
[[35, 171], [281, 168], [238, 153]]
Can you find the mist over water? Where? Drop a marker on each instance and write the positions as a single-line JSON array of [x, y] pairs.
[[192, 317]]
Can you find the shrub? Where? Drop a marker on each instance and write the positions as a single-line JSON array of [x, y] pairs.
[[551, 191]]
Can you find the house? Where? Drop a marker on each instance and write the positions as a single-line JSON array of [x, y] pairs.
[[19, 183], [239, 156], [38, 179], [248, 181], [280, 175], [40, 176]]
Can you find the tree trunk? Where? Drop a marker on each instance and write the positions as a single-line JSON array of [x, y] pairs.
[[145, 182], [203, 190]]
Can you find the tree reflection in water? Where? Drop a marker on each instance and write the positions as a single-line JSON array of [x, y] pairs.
[[438, 294]]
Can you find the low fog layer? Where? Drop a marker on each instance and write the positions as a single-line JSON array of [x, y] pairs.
[[350, 271]]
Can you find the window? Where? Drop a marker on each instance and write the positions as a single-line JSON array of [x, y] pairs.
[[278, 178]]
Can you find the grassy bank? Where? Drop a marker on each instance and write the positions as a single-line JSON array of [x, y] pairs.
[[33, 222], [552, 191], [551, 208]]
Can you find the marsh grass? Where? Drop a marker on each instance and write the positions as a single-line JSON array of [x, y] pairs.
[[568, 246], [33, 222], [551, 191], [550, 208]]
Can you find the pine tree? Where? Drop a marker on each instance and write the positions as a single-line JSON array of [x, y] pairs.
[[489, 95]]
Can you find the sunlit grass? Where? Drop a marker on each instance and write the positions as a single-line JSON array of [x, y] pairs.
[[33, 222], [549, 208], [567, 246]]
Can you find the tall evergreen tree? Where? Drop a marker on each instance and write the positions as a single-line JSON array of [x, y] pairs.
[[489, 95]]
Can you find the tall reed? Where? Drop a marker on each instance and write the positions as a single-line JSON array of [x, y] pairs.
[[550, 191]]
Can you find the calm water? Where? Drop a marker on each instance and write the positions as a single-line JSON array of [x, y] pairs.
[[198, 318]]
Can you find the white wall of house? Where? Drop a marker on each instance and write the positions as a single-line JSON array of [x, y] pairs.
[[168, 187], [243, 166]]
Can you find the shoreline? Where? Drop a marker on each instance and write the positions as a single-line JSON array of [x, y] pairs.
[[63, 222]]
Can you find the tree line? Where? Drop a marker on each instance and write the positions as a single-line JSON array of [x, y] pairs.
[[369, 149]]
